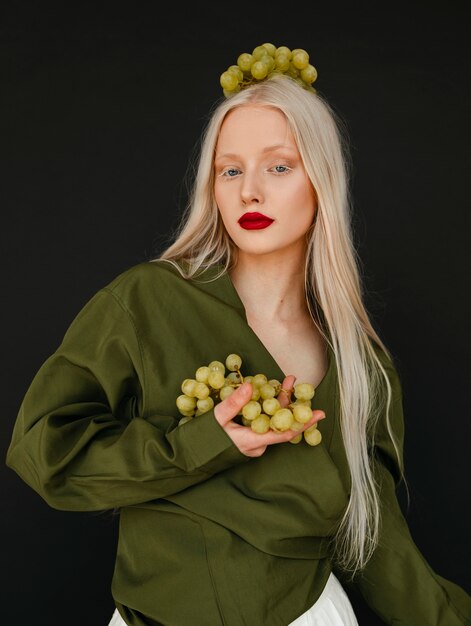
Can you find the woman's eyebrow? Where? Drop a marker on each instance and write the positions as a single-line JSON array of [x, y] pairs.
[[277, 146]]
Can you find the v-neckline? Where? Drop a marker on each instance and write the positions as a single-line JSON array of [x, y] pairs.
[[240, 306]]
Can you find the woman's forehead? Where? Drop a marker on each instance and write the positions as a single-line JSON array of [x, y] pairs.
[[254, 127]]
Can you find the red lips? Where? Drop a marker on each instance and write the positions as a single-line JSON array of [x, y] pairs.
[[252, 221]]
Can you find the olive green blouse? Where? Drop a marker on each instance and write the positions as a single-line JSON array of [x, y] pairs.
[[207, 535]]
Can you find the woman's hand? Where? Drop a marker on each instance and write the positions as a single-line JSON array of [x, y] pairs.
[[251, 443]]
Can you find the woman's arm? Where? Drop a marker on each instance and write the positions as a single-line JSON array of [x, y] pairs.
[[83, 439]]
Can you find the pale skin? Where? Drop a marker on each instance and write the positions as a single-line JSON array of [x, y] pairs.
[[258, 167]]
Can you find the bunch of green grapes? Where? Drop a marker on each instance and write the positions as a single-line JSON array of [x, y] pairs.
[[212, 383], [263, 62]]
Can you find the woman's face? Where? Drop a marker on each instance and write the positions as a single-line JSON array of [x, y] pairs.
[[258, 168]]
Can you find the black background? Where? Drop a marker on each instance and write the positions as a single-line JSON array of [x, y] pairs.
[[101, 111]]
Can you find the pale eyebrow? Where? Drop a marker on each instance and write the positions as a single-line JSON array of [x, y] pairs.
[[277, 146]]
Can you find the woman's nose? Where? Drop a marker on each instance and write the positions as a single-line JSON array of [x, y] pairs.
[[251, 190]]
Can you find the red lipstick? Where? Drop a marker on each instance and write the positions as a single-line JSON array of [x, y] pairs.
[[254, 221]]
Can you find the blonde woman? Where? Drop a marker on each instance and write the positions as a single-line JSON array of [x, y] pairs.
[[220, 524]]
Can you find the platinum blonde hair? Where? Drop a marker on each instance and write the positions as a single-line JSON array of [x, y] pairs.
[[332, 284]]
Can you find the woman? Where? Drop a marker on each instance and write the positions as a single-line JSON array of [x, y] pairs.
[[219, 524]]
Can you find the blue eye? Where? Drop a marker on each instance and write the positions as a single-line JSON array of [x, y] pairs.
[[230, 173], [281, 169]]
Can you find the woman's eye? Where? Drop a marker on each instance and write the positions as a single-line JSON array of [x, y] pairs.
[[281, 169], [230, 173]]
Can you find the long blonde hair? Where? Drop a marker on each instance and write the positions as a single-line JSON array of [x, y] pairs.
[[332, 284]]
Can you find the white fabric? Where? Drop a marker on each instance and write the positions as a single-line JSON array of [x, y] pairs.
[[117, 620], [332, 608]]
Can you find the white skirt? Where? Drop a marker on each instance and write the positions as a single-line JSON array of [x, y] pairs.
[[332, 608]]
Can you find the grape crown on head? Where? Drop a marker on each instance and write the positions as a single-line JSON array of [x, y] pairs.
[[265, 61]]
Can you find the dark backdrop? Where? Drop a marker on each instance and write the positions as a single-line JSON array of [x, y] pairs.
[[101, 110]]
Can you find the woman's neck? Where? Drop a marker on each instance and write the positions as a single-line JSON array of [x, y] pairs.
[[271, 290]]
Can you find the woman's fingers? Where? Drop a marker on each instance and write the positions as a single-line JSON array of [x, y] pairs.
[[273, 436], [248, 441], [226, 410], [254, 444], [287, 386]]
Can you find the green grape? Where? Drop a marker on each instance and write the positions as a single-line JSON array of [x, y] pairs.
[[201, 391], [259, 380], [202, 373], [297, 439], [292, 70], [267, 391], [302, 413], [229, 94], [216, 379], [217, 365], [205, 404], [248, 379], [235, 69], [245, 421], [309, 74], [271, 406], [188, 387], [261, 424], [275, 384], [233, 362], [244, 61], [186, 403], [300, 60], [228, 81], [233, 378], [184, 419], [282, 62], [306, 402], [259, 52], [225, 391], [255, 393], [271, 49], [187, 413], [283, 50], [304, 391], [296, 426], [269, 62], [281, 420], [312, 435], [259, 70], [251, 410]]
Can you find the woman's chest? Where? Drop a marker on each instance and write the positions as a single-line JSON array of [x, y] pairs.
[[175, 345], [299, 350]]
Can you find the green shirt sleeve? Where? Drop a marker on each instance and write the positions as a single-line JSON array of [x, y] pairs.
[[83, 438], [397, 582]]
